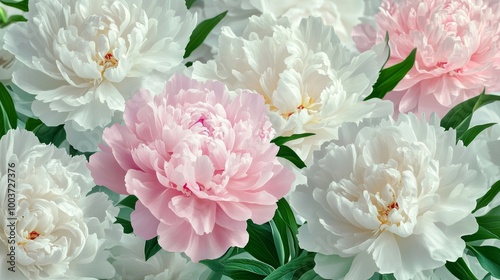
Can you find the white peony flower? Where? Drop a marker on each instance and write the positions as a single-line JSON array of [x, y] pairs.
[[340, 14], [130, 264], [310, 81], [57, 232], [388, 197], [83, 59]]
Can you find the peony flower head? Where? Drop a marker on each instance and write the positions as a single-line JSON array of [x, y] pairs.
[[129, 263], [58, 232], [388, 197], [457, 50], [341, 15], [200, 164], [83, 59], [309, 80]]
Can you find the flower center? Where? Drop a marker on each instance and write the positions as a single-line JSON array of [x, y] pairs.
[[109, 61], [33, 235]]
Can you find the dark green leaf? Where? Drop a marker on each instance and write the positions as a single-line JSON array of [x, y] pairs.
[[261, 245], [21, 5], [300, 264], [471, 133], [390, 77], [491, 221], [201, 32], [488, 197], [279, 141], [46, 134], [481, 234], [127, 226], [129, 201], [488, 257], [285, 211], [189, 3], [310, 275], [151, 248], [460, 270], [459, 117], [8, 115], [278, 242], [240, 268], [75, 152], [378, 276], [288, 154]]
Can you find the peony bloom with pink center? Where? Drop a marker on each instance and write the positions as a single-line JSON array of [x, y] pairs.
[[457, 50], [200, 164]]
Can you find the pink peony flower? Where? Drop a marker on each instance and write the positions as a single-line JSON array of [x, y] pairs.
[[457, 50], [200, 164]]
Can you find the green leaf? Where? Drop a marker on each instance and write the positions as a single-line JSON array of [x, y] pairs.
[[378, 276], [488, 197], [129, 201], [285, 211], [390, 77], [459, 117], [460, 269], [46, 134], [240, 268], [488, 257], [261, 245], [471, 133], [302, 263], [189, 3], [8, 115], [490, 222], [151, 248], [102, 189], [279, 141], [288, 154], [481, 234], [201, 32], [310, 275], [75, 152], [126, 224], [21, 5], [278, 242]]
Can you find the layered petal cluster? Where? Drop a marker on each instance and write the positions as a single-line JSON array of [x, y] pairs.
[[457, 50], [83, 59], [342, 15], [200, 164], [309, 80], [129, 262], [58, 232], [392, 197]]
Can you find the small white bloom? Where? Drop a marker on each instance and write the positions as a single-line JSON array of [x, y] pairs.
[[83, 59], [130, 264], [388, 197], [60, 233], [310, 81]]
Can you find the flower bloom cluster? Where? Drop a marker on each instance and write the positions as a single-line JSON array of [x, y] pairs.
[[458, 50], [341, 15], [391, 197], [309, 80], [81, 60], [200, 164], [60, 232]]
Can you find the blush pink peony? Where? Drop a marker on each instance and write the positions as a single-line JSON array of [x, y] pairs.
[[200, 163], [457, 50]]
